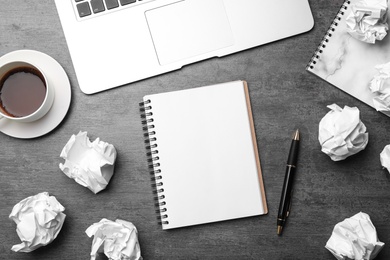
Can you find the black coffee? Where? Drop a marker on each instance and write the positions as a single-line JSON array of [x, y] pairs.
[[22, 92]]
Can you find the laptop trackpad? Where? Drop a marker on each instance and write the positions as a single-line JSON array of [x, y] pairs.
[[188, 28]]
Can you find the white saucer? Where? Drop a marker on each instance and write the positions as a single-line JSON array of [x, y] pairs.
[[57, 77]]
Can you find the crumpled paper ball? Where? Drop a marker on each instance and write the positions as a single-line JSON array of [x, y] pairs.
[[355, 238], [380, 86], [342, 133], [118, 240], [367, 20], [89, 164], [39, 219], [385, 157]]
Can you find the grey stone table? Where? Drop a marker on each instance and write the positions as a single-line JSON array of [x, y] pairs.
[[284, 97]]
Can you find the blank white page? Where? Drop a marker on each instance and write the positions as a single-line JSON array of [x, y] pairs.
[[207, 154]]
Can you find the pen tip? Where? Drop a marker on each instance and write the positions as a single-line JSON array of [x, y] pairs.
[[296, 135], [279, 230]]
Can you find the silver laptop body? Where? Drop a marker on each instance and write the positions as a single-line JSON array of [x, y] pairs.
[[115, 42]]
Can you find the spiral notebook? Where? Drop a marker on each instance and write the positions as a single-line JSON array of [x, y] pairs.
[[203, 155], [346, 62]]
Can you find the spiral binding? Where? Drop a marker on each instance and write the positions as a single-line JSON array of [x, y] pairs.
[[328, 35], [153, 161]]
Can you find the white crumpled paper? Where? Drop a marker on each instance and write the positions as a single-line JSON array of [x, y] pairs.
[[380, 86], [354, 238], [39, 219], [367, 20], [385, 157], [89, 164], [342, 133], [118, 240]]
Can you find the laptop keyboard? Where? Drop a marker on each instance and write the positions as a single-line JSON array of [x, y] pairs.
[[87, 8]]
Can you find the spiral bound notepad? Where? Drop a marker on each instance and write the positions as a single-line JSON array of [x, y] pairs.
[[346, 62], [203, 155]]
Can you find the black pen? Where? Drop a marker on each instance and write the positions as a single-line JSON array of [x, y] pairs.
[[285, 200]]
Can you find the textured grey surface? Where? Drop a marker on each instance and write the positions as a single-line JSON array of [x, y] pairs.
[[284, 97]]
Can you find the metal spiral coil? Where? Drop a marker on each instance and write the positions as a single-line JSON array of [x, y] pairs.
[[328, 35], [153, 161]]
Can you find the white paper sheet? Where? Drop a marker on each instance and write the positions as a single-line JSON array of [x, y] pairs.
[[380, 86], [354, 238], [385, 157], [89, 164], [39, 219], [367, 20], [342, 133], [118, 240]]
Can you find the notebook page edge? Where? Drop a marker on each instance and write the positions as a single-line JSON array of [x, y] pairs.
[[255, 147]]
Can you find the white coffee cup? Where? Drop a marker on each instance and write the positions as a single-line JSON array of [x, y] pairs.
[[22, 96]]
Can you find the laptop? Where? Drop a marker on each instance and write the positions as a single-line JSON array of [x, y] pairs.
[[116, 42]]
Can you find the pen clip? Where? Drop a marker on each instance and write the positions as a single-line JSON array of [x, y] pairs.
[[289, 204]]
